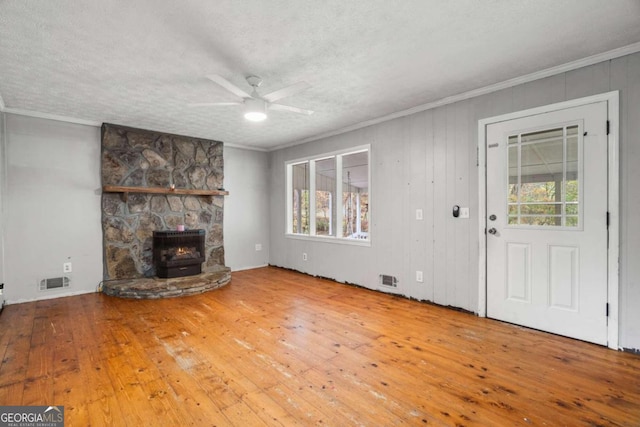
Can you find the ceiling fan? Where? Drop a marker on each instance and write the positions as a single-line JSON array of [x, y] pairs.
[[256, 105]]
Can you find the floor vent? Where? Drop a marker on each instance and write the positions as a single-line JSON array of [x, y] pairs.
[[54, 283], [387, 280]]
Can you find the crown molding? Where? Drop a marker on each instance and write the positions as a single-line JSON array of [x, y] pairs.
[[548, 72], [49, 116], [247, 147]]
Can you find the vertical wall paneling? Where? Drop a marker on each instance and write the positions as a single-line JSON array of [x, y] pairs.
[[440, 210], [463, 147], [543, 92], [428, 135], [416, 199], [475, 214], [587, 81], [389, 191], [618, 79], [625, 74], [632, 156], [449, 200]]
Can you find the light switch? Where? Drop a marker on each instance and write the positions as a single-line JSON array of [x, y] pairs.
[[419, 216]]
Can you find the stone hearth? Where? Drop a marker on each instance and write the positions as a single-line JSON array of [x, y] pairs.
[[155, 288]]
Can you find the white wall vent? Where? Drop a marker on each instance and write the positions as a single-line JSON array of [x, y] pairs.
[[387, 280], [54, 283]]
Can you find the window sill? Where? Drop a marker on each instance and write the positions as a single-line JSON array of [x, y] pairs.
[[329, 239]]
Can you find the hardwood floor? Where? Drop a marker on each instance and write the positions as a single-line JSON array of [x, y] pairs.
[[276, 347]]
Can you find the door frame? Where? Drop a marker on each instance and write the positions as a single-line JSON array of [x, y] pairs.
[[613, 113]]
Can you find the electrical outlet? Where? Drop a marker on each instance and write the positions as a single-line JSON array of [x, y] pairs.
[[304, 256], [258, 246], [66, 267], [419, 276], [464, 212]]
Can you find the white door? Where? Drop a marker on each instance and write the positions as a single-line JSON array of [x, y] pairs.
[[547, 222]]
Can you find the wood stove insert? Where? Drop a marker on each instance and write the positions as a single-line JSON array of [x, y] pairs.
[[178, 253]]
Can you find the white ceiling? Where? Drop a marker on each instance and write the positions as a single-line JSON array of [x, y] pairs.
[[139, 63]]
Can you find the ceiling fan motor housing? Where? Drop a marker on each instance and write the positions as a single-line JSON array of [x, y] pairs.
[[254, 81]]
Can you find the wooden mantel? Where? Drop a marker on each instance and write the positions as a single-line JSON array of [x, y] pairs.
[[161, 190]]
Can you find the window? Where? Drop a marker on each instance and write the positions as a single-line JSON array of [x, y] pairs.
[[328, 196], [544, 177]]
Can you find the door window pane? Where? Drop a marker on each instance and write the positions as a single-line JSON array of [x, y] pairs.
[[543, 188]]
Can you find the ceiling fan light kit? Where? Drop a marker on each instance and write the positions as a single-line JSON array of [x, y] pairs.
[[255, 105], [255, 110]]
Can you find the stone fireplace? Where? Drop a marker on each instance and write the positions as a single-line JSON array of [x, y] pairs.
[[152, 161]]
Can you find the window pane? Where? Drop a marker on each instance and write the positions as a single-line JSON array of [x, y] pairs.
[[355, 195], [543, 184], [325, 196], [572, 189], [538, 192], [300, 205], [512, 191], [539, 220], [541, 209]]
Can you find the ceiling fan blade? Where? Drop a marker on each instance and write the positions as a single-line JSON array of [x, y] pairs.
[[213, 104], [228, 85], [287, 91], [281, 107]]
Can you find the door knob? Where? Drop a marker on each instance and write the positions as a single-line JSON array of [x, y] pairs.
[[493, 217], [492, 231]]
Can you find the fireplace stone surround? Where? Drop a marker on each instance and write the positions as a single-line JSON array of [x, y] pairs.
[[141, 158]]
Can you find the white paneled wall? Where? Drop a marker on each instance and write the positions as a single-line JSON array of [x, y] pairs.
[[428, 161], [625, 76]]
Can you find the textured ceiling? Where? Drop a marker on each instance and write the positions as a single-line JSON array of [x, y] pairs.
[[140, 63]]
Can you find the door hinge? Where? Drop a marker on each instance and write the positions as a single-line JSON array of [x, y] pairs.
[[607, 309], [608, 219], [608, 127]]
